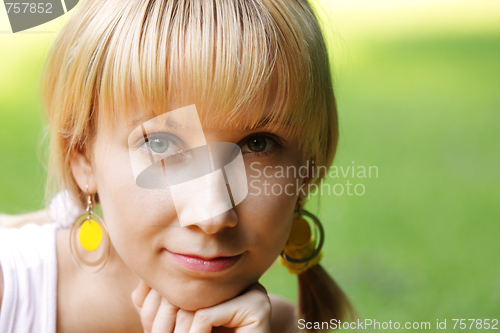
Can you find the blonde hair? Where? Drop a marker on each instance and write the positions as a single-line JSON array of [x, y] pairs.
[[227, 56]]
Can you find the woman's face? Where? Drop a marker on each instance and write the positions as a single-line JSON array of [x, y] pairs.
[[174, 257]]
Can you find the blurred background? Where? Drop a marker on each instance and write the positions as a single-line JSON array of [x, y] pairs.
[[418, 91]]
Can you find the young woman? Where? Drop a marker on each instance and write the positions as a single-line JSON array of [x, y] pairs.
[[177, 117]]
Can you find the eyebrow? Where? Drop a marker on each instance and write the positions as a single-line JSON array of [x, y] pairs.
[[137, 122], [141, 120], [263, 122]]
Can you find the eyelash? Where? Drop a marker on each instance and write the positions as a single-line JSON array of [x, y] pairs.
[[276, 147], [277, 144], [153, 136]]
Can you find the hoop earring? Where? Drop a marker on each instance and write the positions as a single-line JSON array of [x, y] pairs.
[[303, 250], [89, 241]]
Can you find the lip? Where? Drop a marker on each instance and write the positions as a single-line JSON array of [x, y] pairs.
[[207, 265]]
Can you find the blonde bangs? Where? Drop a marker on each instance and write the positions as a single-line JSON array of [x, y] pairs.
[[239, 61], [235, 70]]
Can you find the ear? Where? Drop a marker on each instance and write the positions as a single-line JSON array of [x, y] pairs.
[[83, 173]]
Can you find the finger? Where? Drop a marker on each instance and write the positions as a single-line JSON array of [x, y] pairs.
[[249, 313], [139, 295], [149, 309], [184, 320], [165, 319], [256, 286]]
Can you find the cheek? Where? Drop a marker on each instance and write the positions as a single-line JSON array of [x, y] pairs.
[[281, 176], [269, 207], [270, 219], [134, 216]]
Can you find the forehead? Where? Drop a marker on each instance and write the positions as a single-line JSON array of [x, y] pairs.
[[218, 108], [211, 117]]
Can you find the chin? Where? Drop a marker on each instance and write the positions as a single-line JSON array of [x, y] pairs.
[[192, 297], [199, 302]]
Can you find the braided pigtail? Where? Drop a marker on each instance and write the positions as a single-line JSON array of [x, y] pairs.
[[320, 298]]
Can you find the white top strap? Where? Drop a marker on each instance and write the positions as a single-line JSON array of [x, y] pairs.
[[29, 265]]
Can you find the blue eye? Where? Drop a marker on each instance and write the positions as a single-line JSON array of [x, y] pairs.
[[161, 144]]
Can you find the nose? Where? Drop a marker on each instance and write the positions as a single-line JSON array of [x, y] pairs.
[[213, 225]]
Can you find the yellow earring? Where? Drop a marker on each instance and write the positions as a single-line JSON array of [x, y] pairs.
[[90, 235], [303, 250], [89, 240]]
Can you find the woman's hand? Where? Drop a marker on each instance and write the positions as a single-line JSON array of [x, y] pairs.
[[157, 314], [249, 312]]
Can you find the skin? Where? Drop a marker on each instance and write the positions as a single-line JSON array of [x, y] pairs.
[[143, 223]]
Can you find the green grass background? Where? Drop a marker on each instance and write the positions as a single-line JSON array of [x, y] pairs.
[[418, 89]]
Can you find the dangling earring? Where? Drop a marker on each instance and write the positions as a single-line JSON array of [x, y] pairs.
[[89, 240], [303, 250]]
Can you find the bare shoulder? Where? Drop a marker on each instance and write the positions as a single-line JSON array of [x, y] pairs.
[[284, 317], [103, 296], [65, 282]]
